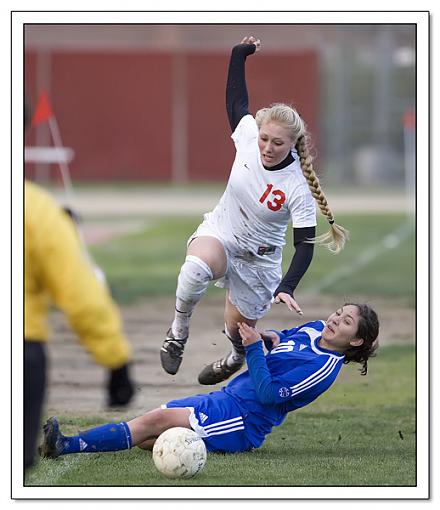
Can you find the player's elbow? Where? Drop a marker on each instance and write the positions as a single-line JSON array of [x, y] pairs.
[[266, 397], [266, 401]]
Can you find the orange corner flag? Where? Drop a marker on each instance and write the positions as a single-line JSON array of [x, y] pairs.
[[43, 112]]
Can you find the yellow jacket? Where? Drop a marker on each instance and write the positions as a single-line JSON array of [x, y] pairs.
[[56, 270]]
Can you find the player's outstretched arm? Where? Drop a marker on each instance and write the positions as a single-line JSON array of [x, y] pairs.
[[300, 262], [237, 101]]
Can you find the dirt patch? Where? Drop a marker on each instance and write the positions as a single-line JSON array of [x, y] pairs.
[[76, 383]]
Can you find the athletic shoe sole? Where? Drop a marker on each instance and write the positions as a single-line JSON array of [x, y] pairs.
[[48, 449], [171, 353]]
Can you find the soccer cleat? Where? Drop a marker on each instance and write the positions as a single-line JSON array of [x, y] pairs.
[[219, 371], [171, 353], [51, 446]]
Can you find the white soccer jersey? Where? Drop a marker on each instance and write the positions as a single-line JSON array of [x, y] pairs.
[[255, 209]]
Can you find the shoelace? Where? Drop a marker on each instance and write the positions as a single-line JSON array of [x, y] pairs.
[[222, 365], [174, 347], [218, 365]]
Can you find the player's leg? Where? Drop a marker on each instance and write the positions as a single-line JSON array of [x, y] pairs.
[[151, 425], [148, 444], [33, 396], [112, 436], [250, 292], [217, 419], [205, 261], [223, 368]]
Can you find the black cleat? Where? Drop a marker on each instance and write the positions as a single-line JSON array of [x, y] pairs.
[[171, 353], [219, 371], [51, 446]]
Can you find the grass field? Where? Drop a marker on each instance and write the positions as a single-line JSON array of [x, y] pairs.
[[147, 263], [360, 433], [356, 434]]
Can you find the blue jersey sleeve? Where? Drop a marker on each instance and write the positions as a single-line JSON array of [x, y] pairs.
[[310, 378]]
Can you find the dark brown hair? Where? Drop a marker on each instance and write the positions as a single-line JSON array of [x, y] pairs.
[[368, 330]]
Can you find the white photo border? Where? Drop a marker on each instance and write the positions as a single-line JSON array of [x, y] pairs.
[[421, 19]]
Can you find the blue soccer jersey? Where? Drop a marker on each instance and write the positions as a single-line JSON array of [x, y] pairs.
[[288, 377]]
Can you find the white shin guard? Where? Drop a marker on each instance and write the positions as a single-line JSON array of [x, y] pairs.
[[194, 278]]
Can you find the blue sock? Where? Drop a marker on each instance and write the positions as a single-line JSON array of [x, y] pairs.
[[106, 438]]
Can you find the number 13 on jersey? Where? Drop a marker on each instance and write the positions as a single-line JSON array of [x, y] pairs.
[[276, 196]]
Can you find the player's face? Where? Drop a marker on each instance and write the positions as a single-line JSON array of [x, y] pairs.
[[340, 329], [274, 143]]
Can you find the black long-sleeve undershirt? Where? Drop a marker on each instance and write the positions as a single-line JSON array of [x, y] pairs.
[[300, 261], [237, 101]]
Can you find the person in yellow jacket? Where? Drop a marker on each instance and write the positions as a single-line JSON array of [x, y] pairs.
[[56, 271]]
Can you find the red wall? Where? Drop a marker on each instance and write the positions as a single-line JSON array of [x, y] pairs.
[[115, 110]]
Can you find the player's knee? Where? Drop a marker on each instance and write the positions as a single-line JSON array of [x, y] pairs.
[[194, 278], [153, 422], [231, 326], [211, 252]]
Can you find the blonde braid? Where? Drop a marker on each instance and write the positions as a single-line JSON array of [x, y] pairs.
[[336, 237]]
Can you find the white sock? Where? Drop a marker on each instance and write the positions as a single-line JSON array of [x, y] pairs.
[[194, 278], [180, 326]]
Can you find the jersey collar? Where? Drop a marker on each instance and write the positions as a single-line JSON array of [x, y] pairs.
[[288, 160], [320, 350]]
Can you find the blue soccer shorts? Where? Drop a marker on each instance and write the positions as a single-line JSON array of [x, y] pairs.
[[217, 419]]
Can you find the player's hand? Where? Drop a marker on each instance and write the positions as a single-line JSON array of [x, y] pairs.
[[252, 40], [249, 335], [290, 302], [120, 387], [270, 336]]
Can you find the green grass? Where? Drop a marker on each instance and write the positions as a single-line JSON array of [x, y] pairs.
[[147, 263], [356, 434], [389, 274]]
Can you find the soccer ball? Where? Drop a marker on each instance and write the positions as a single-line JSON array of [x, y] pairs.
[[179, 453]]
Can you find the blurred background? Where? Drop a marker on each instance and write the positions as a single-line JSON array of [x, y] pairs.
[[139, 111], [146, 102]]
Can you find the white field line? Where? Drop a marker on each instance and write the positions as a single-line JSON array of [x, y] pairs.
[[59, 470], [389, 242]]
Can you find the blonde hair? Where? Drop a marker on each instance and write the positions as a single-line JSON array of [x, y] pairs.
[[335, 238]]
